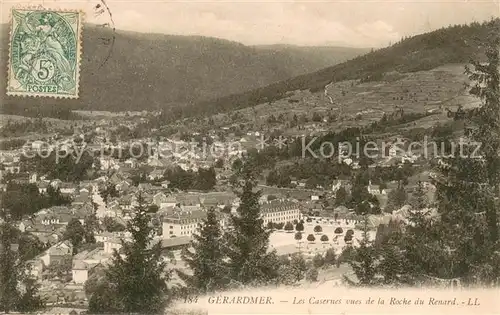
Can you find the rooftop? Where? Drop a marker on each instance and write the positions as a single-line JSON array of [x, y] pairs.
[[175, 241], [277, 205]]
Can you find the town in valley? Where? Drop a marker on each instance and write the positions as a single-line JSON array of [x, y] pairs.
[[130, 208]]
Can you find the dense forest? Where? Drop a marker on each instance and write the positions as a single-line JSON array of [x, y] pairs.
[[454, 44]]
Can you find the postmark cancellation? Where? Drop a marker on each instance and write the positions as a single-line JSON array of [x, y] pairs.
[[45, 51]]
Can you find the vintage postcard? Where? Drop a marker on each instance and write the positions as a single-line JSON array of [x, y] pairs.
[[44, 57], [250, 157]]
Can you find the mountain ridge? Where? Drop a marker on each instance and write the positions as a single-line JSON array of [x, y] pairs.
[[125, 70], [454, 44]]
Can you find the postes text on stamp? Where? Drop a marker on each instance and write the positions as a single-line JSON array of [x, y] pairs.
[[44, 57]]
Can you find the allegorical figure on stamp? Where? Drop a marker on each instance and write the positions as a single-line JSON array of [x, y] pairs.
[[52, 45], [44, 53]]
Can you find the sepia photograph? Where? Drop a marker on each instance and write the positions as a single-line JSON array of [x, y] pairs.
[[196, 157]]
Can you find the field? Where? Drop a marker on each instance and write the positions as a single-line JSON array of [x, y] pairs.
[[356, 103]]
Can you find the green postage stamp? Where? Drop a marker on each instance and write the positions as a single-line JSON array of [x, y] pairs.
[[44, 56]]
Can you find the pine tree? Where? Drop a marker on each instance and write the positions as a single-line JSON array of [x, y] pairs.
[[419, 198], [248, 242], [422, 245], [137, 279], [18, 291], [463, 241], [364, 260], [486, 87], [393, 266], [396, 199], [104, 300], [330, 257], [9, 270], [206, 262]]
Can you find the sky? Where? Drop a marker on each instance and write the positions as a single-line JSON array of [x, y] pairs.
[[353, 23]]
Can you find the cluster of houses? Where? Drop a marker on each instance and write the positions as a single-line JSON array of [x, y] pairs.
[[176, 218]]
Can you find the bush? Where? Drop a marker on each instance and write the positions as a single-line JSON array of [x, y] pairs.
[[298, 236], [349, 232], [330, 257], [318, 229], [339, 230], [311, 238], [289, 226], [324, 238], [312, 275], [318, 261], [270, 225], [287, 275], [298, 266], [295, 222], [278, 226], [299, 227], [284, 260], [346, 255], [347, 238]]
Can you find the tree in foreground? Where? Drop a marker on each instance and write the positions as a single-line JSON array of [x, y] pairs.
[[486, 87], [330, 257], [136, 281], [293, 270], [247, 245], [312, 275], [461, 240], [18, 291], [318, 261], [364, 261], [206, 260], [9, 271], [311, 238], [29, 299]]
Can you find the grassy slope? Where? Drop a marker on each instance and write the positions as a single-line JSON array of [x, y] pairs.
[[455, 44]]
